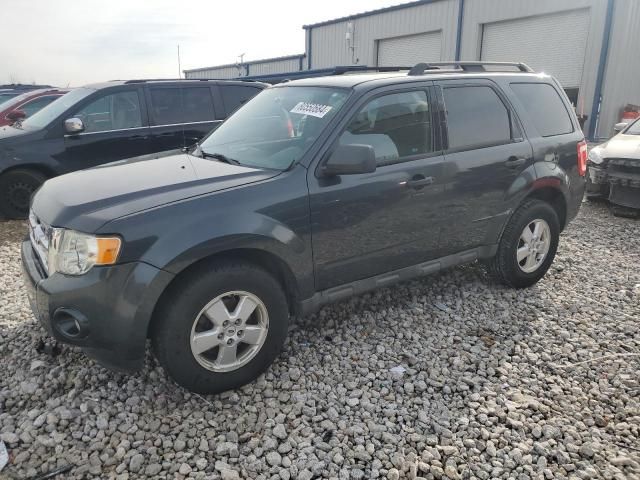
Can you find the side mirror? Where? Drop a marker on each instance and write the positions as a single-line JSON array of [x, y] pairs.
[[73, 125], [16, 115], [350, 160], [618, 127]]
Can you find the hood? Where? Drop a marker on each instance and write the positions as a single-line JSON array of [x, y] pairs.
[[622, 146], [87, 199]]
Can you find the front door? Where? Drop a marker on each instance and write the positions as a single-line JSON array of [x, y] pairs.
[[367, 224], [115, 128], [486, 152]]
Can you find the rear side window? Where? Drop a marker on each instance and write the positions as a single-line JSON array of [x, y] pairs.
[[166, 106], [545, 107], [234, 96], [181, 105], [476, 117], [198, 104]]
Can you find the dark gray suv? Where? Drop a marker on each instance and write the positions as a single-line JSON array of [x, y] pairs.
[[313, 191]]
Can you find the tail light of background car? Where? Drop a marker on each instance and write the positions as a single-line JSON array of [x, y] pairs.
[[583, 153]]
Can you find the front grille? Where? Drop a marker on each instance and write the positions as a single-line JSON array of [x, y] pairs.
[[624, 172], [39, 234]]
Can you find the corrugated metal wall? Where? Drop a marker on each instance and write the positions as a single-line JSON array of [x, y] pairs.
[[276, 66], [217, 72], [480, 12], [622, 77], [329, 46], [259, 67]]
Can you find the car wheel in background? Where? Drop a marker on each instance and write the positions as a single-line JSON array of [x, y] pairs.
[[528, 245], [221, 327], [16, 188]]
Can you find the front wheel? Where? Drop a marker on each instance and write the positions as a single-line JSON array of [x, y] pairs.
[[16, 188], [221, 327], [528, 245]]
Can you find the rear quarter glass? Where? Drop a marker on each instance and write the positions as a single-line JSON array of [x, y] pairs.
[[545, 107]]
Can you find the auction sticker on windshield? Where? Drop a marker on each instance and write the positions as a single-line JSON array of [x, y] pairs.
[[313, 109]]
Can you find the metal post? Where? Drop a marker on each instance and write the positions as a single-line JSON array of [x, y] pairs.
[[604, 52], [459, 32]]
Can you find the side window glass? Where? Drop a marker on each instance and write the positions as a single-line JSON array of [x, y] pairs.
[[37, 104], [476, 117], [198, 104], [116, 111], [397, 126], [544, 105], [234, 96], [166, 105]]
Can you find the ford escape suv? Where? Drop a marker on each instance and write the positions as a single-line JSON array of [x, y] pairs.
[[314, 190], [106, 122]]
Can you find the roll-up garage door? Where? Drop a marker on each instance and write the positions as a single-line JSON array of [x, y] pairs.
[[409, 50], [554, 44]]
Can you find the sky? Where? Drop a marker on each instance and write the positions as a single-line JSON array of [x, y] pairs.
[[68, 43]]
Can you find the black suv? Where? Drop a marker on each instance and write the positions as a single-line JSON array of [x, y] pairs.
[[313, 191], [111, 121]]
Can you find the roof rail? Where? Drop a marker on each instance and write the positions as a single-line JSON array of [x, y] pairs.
[[143, 80], [420, 68], [363, 68]]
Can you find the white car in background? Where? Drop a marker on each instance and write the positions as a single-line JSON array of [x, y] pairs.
[[614, 168]]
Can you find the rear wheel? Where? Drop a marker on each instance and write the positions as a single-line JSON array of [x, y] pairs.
[[221, 328], [528, 245], [16, 188]]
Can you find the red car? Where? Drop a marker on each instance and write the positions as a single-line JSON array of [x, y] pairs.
[[26, 104]]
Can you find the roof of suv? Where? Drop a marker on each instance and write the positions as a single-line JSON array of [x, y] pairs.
[[381, 79], [164, 81], [350, 77]]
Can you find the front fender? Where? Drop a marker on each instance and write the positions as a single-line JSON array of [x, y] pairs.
[[265, 217]]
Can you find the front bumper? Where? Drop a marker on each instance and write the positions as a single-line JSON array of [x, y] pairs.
[[116, 301], [618, 180]]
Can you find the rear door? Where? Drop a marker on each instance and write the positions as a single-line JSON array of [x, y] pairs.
[[180, 115], [485, 153], [115, 127], [234, 96]]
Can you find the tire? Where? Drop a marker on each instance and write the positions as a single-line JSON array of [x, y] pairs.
[[505, 267], [16, 188], [182, 316]]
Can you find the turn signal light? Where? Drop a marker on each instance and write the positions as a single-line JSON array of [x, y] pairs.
[[108, 249]]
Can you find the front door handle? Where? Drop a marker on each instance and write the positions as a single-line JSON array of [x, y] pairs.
[[515, 162], [419, 181], [139, 137]]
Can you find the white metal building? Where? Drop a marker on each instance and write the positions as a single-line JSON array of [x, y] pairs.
[[590, 46]]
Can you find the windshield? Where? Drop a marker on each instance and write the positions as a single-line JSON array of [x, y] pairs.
[[276, 127], [4, 103], [6, 96], [634, 129], [49, 113]]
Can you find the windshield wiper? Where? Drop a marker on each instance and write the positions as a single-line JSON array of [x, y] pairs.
[[220, 157]]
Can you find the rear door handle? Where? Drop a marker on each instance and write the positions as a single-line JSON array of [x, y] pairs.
[[139, 137], [419, 181], [515, 162]]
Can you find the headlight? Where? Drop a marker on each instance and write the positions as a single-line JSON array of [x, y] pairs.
[[75, 253], [595, 155]]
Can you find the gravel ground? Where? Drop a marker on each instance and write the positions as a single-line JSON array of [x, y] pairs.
[[494, 383]]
